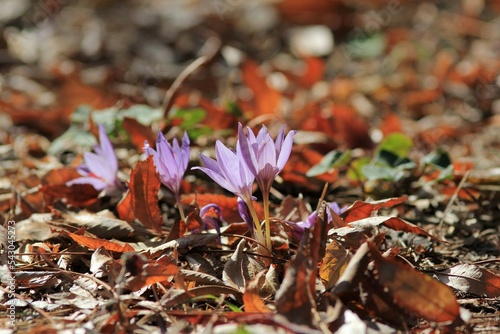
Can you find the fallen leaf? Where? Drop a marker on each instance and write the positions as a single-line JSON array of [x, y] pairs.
[[469, 278], [413, 291], [265, 99], [138, 133], [360, 209], [295, 297], [144, 186], [251, 297], [159, 271], [96, 243], [334, 264]]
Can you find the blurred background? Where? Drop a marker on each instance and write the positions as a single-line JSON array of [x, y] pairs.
[[351, 70]]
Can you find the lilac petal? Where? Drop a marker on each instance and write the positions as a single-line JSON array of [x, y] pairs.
[[246, 151], [165, 154], [99, 166], [210, 164], [267, 153], [107, 150], [229, 164], [279, 139], [210, 222], [204, 210], [98, 184], [286, 149], [245, 214], [83, 170], [147, 149], [261, 135], [334, 207], [185, 150], [219, 179]]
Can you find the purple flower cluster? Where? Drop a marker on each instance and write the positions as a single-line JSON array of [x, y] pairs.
[[256, 158], [171, 162], [100, 168]]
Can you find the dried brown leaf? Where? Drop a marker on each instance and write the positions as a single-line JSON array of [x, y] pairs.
[[413, 291], [334, 264], [144, 186], [469, 278]]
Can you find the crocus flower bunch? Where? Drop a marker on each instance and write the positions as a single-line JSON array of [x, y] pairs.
[[256, 158], [171, 163], [100, 168]]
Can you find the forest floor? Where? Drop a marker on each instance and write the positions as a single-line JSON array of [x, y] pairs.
[[394, 109]]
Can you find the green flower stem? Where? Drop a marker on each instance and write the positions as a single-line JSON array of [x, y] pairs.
[[259, 235], [179, 206], [266, 220]]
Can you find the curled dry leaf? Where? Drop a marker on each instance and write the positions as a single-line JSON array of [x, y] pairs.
[[295, 297], [96, 243], [361, 209], [100, 262], [469, 278], [394, 223], [101, 224], [412, 291], [334, 263], [251, 297], [144, 186], [150, 273], [240, 268]]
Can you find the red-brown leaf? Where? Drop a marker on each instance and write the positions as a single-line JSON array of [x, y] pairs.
[[144, 186], [95, 243], [413, 291], [138, 133], [360, 209]]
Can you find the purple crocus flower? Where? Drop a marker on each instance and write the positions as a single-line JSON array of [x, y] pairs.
[[209, 215], [298, 228], [99, 169], [264, 157], [170, 160], [245, 214], [312, 217], [229, 171]]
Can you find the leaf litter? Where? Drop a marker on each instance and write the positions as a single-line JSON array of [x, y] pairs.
[[381, 220]]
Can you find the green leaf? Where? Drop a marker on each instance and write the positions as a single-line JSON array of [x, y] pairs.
[[439, 158], [144, 114], [231, 306], [396, 143], [363, 45], [386, 158], [190, 118], [355, 172], [333, 159]]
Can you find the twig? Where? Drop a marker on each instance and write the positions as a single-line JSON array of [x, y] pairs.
[[212, 45], [450, 203]]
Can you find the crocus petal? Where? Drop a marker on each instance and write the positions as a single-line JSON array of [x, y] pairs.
[[267, 153], [245, 214], [185, 151], [83, 170], [279, 139], [228, 164], [99, 166], [286, 149], [164, 151], [219, 179], [246, 151], [98, 184], [107, 150]]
